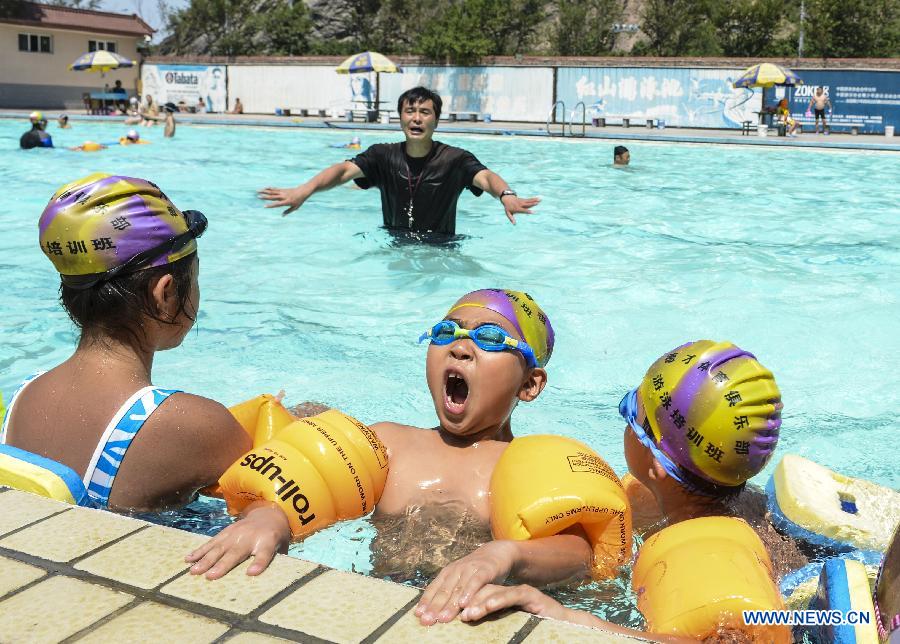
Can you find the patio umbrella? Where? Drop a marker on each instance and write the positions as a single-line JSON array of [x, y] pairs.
[[100, 61], [767, 75], [369, 61]]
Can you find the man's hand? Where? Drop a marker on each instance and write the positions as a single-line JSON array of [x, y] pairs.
[[456, 584], [514, 205], [293, 198]]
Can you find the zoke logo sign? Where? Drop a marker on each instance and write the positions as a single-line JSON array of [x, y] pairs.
[[176, 78]]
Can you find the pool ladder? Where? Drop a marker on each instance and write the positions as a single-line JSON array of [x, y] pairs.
[[551, 118]]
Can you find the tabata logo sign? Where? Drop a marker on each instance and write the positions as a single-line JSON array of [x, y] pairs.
[[176, 78]]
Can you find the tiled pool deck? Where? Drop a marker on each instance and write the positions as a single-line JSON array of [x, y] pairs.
[[839, 141], [72, 574]]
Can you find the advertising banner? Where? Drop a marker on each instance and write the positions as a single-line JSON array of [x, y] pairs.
[[682, 97], [186, 84], [506, 93], [863, 99]]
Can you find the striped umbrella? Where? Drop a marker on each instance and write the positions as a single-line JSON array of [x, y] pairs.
[[100, 61], [767, 75], [368, 61]]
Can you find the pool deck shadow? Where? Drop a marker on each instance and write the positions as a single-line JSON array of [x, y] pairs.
[[836, 141], [70, 574]]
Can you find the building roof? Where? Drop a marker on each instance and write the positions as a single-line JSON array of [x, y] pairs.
[[59, 17]]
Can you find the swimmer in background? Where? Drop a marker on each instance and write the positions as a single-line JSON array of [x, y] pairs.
[[133, 137], [132, 290], [37, 136], [714, 420], [88, 146], [354, 144], [63, 122], [475, 391], [621, 156]]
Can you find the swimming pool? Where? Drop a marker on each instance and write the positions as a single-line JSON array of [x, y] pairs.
[[792, 254]]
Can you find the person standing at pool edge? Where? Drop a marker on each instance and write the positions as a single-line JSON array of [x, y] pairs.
[[420, 180]]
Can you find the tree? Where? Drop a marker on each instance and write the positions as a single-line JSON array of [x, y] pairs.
[[747, 28], [677, 28], [585, 28], [852, 28], [471, 29]]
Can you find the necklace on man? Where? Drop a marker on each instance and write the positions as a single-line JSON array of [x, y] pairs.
[[412, 191]]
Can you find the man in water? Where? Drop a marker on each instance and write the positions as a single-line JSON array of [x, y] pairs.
[[37, 136], [621, 156], [821, 101], [420, 180]]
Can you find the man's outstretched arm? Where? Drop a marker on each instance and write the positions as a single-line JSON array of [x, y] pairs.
[[293, 198], [493, 183]]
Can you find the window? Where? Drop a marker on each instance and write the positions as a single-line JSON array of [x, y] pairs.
[[102, 45], [36, 43]]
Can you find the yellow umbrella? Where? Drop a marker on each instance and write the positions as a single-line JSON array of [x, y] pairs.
[[100, 61], [369, 61], [767, 75]]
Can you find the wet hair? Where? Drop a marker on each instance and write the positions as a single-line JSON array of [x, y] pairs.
[[418, 95], [116, 308], [619, 150]]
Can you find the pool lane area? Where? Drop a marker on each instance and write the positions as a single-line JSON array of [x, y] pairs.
[[837, 141], [70, 574]]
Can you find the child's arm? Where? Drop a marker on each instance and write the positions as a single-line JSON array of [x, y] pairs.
[[537, 561], [491, 599], [262, 531]]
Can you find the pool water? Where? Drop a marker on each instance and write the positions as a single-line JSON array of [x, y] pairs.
[[792, 254]]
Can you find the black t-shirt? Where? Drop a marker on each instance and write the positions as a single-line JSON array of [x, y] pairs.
[[432, 184], [33, 138]]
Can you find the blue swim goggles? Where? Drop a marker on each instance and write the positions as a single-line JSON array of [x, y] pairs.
[[487, 337], [628, 409]]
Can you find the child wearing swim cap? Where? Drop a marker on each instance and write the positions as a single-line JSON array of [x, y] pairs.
[[485, 356], [705, 419], [128, 267]]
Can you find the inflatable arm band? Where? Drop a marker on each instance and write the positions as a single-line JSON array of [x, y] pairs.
[[543, 485], [694, 579], [318, 470]]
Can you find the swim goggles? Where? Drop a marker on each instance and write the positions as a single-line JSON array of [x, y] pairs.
[[628, 409], [487, 337], [196, 223]]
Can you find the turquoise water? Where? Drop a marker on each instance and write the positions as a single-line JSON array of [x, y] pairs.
[[792, 254]]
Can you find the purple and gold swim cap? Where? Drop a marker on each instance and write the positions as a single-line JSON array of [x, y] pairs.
[[102, 222], [714, 410], [528, 319]]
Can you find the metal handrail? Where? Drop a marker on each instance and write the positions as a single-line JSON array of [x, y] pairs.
[[552, 116], [583, 119]]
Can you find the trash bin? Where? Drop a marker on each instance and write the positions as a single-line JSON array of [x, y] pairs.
[[889, 130], [371, 116], [385, 118], [595, 122], [762, 129], [487, 118], [781, 130], [661, 124]]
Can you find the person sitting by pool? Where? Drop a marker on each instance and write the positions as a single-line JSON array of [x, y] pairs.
[[783, 113], [487, 354], [132, 138], [127, 259], [238, 107], [705, 420], [37, 136], [63, 122], [621, 156], [201, 106]]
